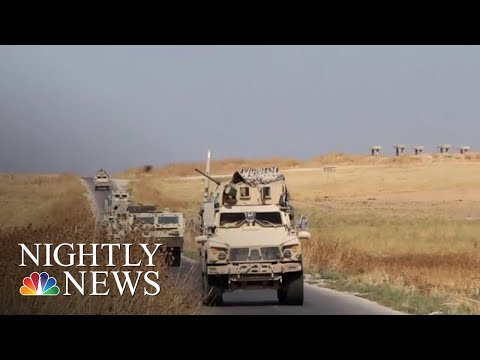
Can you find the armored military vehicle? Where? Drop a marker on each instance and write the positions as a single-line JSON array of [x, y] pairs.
[[118, 201], [116, 214], [142, 218], [102, 180], [169, 230], [250, 239], [159, 226]]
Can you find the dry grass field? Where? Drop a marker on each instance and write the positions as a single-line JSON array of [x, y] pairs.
[[54, 209], [40, 199], [404, 231]]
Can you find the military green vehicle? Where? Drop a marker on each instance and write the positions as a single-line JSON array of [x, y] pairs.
[[250, 239], [102, 180]]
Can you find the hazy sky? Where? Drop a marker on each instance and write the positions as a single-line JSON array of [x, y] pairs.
[[79, 108]]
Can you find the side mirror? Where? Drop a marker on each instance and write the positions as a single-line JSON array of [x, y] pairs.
[[202, 239], [303, 222], [304, 235]]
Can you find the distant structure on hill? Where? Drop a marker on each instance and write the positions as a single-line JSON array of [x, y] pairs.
[[464, 149], [375, 150], [399, 149], [444, 148], [418, 149]]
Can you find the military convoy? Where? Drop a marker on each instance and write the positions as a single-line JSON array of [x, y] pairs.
[[249, 236], [167, 227], [102, 180]]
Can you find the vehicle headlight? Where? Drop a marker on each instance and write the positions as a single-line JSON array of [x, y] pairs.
[[217, 254], [292, 252]]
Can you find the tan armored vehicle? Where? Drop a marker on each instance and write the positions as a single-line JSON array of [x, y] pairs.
[[116, 214], [169, 230], [118, 201], [141, 218], [102, 180], [249, 237], [159, 226]]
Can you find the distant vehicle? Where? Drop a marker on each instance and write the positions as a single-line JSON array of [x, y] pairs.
[[102, 180], [250, 239]]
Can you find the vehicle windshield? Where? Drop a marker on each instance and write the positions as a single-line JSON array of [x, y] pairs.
[[145, 219], [232, 219], [266, 219], [168, 219], [269, 218]]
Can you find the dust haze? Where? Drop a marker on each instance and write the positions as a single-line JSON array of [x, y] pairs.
[[78, 108]]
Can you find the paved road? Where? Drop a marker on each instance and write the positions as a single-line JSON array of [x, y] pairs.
[[318, 301], [98, 197]]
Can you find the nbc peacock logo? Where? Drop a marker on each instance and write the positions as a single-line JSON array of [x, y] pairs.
[[42, 284]]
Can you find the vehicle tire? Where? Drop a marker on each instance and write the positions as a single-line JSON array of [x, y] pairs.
[[281, 295], [212, 293], [294, 289], [174, 256]]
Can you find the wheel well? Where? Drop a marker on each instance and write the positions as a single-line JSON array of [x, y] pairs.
[[218, 280]]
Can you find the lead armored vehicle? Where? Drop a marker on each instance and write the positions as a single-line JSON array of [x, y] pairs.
[[250, 239]]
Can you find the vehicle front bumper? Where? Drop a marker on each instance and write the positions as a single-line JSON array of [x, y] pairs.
[[254, 271]]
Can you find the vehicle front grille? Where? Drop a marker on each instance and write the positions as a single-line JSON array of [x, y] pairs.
[[239, 254], [255, 254], [270, 253]]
